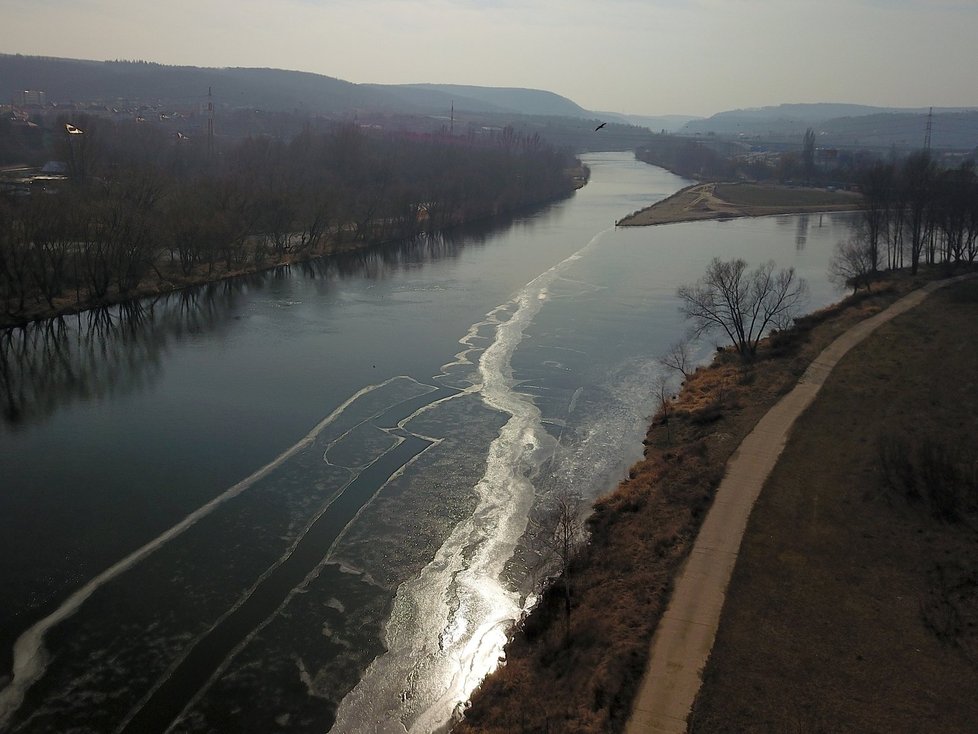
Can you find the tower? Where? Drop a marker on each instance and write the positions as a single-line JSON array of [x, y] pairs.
[[930, 124], [210, 124]]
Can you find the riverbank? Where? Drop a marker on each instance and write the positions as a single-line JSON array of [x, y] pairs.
[[166, 276], [856, 586], [728, 200], [581, 674]]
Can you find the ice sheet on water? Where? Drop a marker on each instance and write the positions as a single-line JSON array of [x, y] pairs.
[[370, 402], [359, 446], [392, 539], [400, 530], [146, 618], [244, 536], [293, 666]]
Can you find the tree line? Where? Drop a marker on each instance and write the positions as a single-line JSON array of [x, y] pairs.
[[914, 213], [142, 206]]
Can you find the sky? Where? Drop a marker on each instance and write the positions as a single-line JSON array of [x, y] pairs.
[[694, 57]]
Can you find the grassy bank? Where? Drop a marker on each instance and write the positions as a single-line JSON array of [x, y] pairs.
[[728, 200], [854, 602], [583, 677]]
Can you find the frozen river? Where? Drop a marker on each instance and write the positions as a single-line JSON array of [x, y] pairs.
[[312, 498]]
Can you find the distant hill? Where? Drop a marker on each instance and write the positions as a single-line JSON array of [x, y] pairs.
[[655, 123], [505, 99], [125, 84], [846, 124], [71, 80], [949, 129], [243, 96]]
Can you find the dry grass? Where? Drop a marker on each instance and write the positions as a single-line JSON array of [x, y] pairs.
[[640, 534], [854, 603], [769, 195]]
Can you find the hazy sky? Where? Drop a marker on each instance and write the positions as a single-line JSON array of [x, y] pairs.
[[640, 56]]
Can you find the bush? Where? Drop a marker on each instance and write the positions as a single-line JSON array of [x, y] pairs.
[[932, 470], [708, 414], [896, 470]]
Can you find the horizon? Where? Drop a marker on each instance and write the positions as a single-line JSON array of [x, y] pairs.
[[771, 105], [666, 57]]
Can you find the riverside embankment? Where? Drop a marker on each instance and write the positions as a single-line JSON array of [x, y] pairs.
[[542, 336], [581, 674]]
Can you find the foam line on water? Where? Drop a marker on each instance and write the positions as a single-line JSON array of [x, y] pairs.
[[29, 653], [448, 625], [225, 663], [379, 413]]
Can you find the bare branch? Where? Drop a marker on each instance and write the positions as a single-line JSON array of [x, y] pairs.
[[742, 304], [679, 357]]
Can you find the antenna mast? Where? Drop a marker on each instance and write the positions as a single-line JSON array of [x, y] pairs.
[[210, 124], [930, 124]]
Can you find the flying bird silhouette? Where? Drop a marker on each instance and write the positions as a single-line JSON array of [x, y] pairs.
[[600, 126]]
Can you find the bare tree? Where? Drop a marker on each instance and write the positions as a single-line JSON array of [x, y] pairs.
[[568, 534], [680, 357], [663, 392], [742, 304], [956, 191], [854, 263], [49, 239], [877, 184], [919, 174]]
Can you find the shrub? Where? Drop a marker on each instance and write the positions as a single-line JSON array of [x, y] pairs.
[[942, 475]]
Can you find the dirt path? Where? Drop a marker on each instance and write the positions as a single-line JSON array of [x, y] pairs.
[[684, 638]]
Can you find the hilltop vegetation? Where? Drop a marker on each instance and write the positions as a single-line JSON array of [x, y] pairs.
[[848, 125], [67, 80]]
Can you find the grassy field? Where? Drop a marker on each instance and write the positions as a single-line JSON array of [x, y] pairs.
[[583, 677], [758, 195], [854, 602]]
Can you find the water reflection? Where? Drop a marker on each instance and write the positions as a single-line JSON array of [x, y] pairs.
[[381, 261], [116, 350], [801, 232], [804, 223], [112, 350]]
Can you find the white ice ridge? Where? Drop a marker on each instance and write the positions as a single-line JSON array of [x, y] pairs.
[[303, 585], [30, 655], [448, 626]]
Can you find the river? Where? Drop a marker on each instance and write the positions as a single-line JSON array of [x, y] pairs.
[[314, 498]]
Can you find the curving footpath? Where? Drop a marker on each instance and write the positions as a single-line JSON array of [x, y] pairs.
[[685, 634]]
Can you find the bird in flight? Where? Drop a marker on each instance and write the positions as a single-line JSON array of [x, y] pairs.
[[600, 126]]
